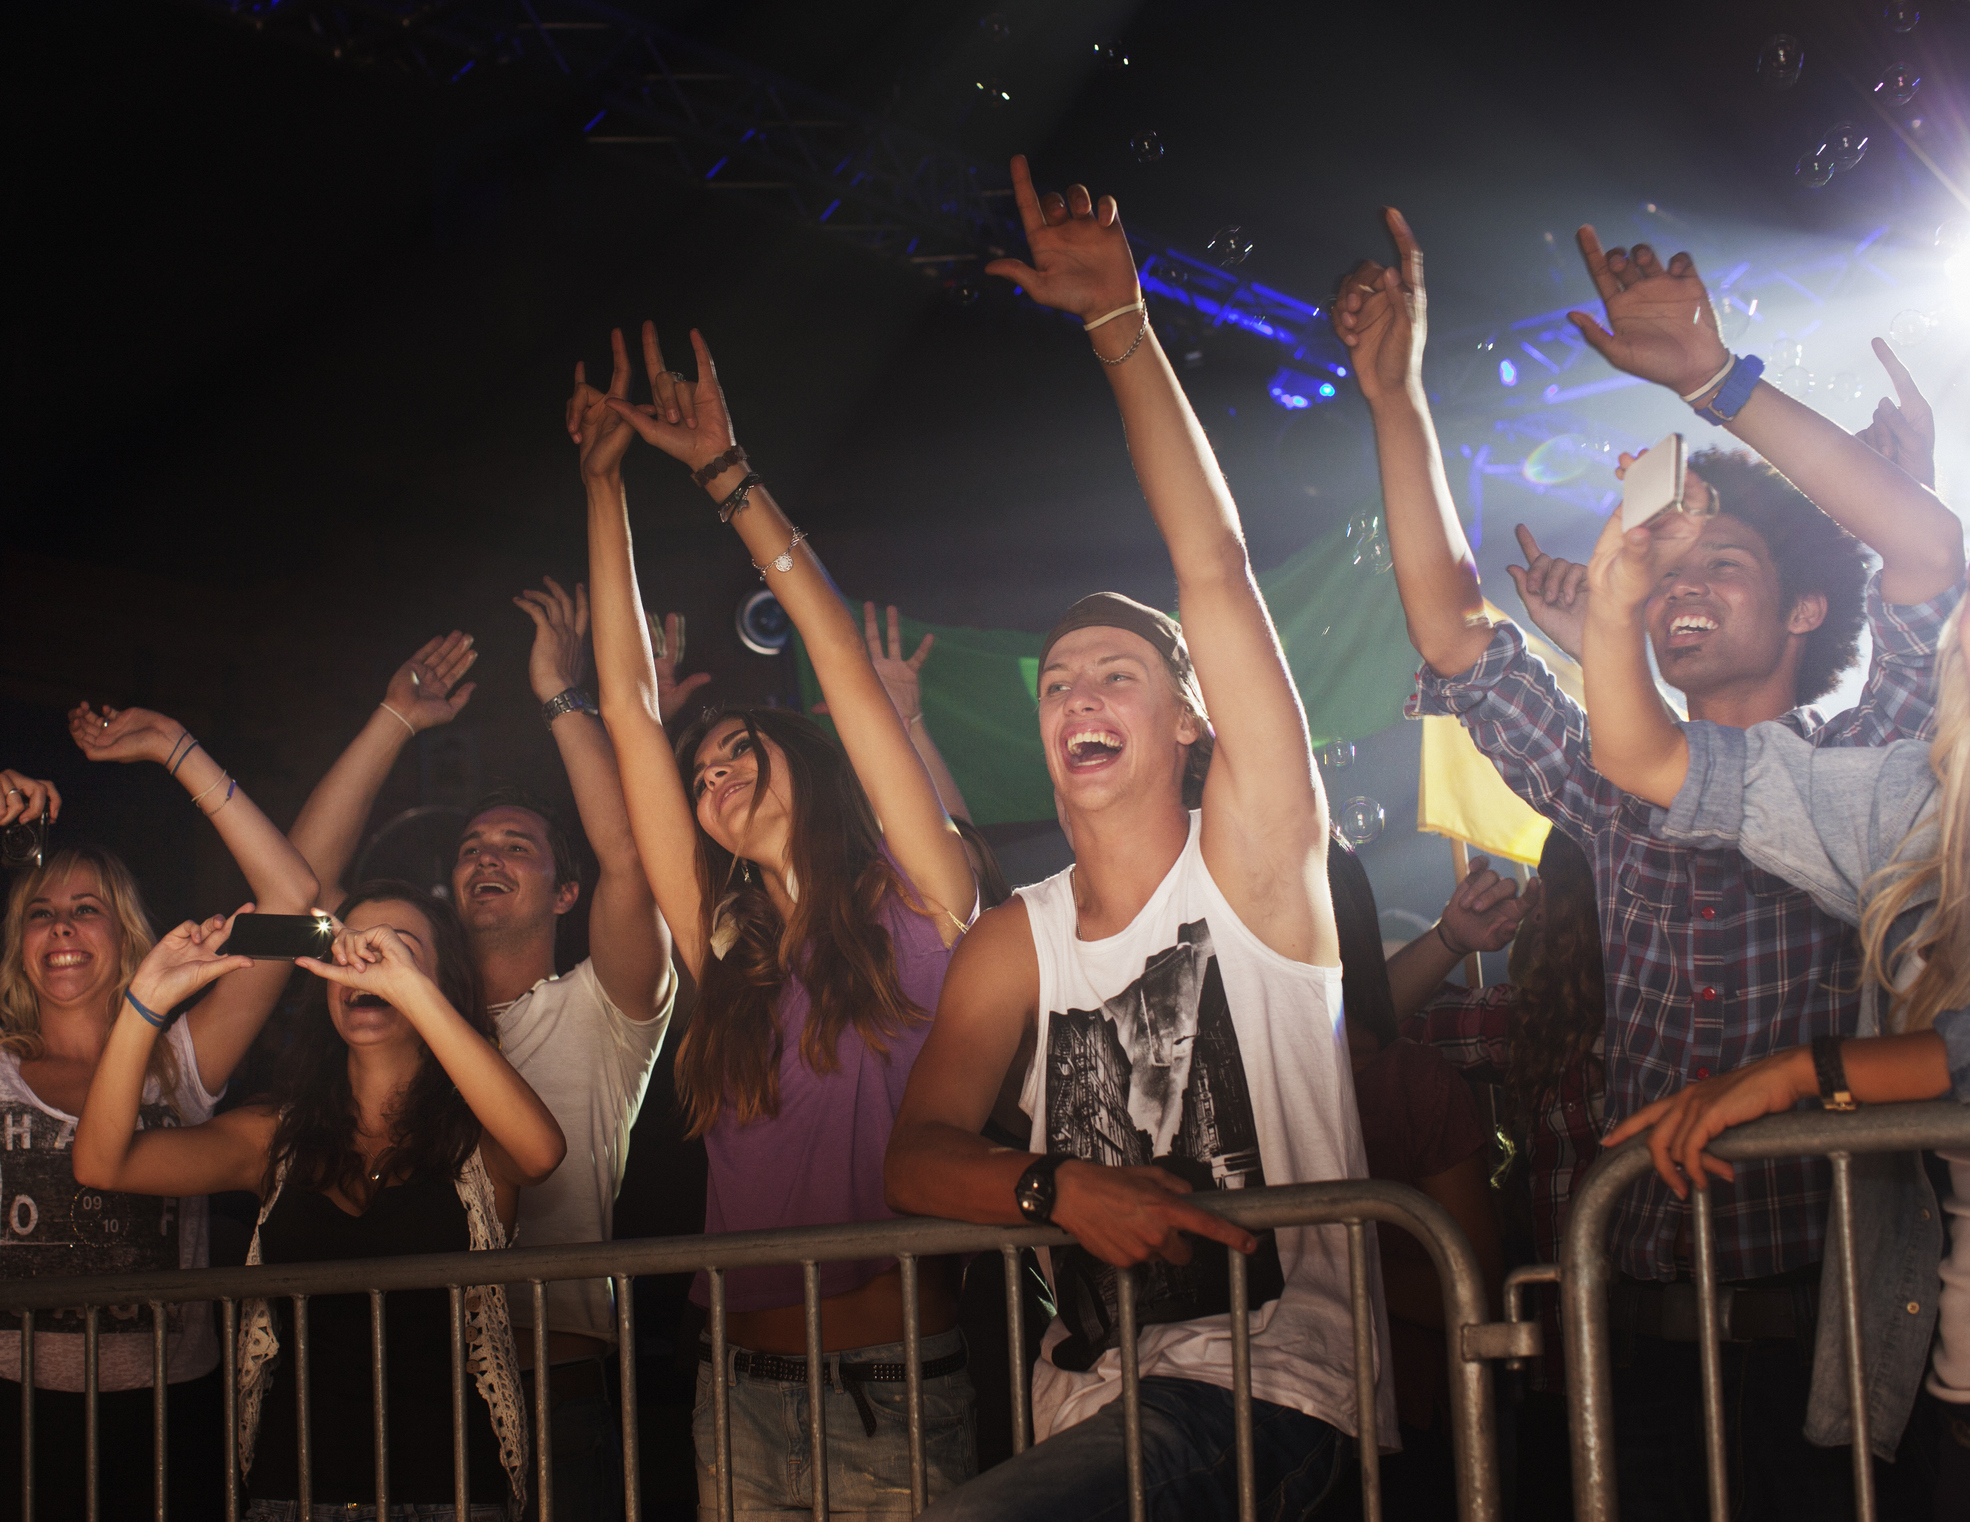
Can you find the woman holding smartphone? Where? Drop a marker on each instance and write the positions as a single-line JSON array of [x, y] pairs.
[[815, 891], [395, 1127], [75, 933]]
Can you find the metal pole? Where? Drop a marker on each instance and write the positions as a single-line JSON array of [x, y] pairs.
[[1365, 1414], [304, 1456], [92, 1457], [913, 1379], [461, 1482], [379, 1401], [1241, 1386], [721, 1396], [632, 1453], [543, 1437], [27, 1416], [1850, 1326], [1016, 1343], [229, 1399], [160, 1386], [1131, 1394], [817, 1426], [1710, 1355]]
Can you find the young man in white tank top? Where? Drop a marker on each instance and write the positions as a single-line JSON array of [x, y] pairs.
[[1179, 988]]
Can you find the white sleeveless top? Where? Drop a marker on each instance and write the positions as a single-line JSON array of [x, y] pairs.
[[1186, 1040]]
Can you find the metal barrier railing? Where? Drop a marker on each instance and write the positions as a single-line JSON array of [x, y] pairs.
[[1584, 1273], [1471, 1337]]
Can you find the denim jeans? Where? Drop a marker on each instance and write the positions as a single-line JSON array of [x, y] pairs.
[[1189, 1465], [772, 1470]]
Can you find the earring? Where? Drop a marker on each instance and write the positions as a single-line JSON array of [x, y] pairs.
[[745, 871]]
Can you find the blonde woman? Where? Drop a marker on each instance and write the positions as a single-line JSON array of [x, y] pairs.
[[1879, 838], [74, 935]]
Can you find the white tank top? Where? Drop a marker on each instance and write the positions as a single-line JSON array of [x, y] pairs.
[[1184, 1039]]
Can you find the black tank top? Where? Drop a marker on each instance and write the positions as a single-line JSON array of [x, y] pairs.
[[423, 1215]]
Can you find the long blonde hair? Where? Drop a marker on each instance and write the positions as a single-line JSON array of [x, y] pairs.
[[20, 1005], [1942, 971]]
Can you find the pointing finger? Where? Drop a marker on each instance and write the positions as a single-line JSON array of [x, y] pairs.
[[1909, 394], [1597, 263], [1023, 197], [619, 364]]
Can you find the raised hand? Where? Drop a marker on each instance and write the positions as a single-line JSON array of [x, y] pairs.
[[1627, 564], [1485, 910], [1904, 435], [560, 653], [1081, 259], [123, 734], [667, 654], [687, 422], [372, 961], [184, 961], [600, 434], [428, 689], [1554, 592], [901, 677], [1380, 313], [1664, 328], [27, 798]]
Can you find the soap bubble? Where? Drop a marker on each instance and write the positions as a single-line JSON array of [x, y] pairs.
[[1814, 169], [1954, 235], [1845, 387], [1109, 56], [1363, 530], [1909, 327], [1786, 353], [1901, 15], [964, 293], [1361, 821], [1147, 147], [995, 26], [991, 93], [1780, 61], [1379, 556], [1846, 143], [1337, 756], [1734, 318], [1561, 458], [1796, 381], [1898, 84], [1230, 246], [1939, 319]]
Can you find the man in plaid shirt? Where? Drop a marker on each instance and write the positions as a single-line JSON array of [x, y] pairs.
[[1711, 963]]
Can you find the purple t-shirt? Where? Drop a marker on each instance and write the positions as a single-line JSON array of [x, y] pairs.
[[819, 1161]]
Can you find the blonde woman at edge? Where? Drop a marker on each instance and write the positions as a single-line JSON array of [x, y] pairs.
[[1881, 839]]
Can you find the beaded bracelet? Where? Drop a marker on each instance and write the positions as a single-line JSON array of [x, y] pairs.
[[707, 474]]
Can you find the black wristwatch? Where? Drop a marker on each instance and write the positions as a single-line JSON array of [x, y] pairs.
[[574, 700], [1832, 1074], [1034, 1193]]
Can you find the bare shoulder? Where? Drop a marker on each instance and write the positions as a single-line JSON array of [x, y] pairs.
[[995, 964]]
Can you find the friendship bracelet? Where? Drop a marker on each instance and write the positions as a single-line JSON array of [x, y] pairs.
[[782, 562], [230, 785], [399, 718], [197, 797], [737, 500], [1730, 363], [1140, 334], [1138, 305], [1438, 927], [155, 1019], [707, 474]]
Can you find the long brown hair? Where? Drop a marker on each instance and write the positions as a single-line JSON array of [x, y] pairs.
[[1562, 990], [1942, 976], [20, 1005], [432, 1128], [836, 942]]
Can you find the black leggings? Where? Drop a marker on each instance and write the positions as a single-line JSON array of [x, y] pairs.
[[195, 1476]]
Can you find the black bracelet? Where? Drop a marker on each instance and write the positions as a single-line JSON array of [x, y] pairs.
[[1832, 1074], [707, 474], [1438, 927], [738, 498]]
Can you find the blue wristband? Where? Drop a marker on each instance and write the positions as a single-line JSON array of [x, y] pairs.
[[138, 1005], [1736, 390]]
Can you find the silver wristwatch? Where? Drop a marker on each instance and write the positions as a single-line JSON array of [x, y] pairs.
[[574, 700]]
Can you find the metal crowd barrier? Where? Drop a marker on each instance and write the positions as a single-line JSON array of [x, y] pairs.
[[1584, 1274], [1471, 1337]]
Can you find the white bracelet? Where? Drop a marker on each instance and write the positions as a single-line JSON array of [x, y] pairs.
[[1714, 381], [1138, 305], [399, 718]]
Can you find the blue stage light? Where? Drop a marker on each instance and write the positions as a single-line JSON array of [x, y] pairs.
[[1325, 390], [1508, 373]]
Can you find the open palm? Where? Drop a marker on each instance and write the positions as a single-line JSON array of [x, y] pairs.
[[429, 689]]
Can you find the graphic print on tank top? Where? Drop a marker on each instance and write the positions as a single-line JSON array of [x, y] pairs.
[[50, 1225], [1155, 1076]]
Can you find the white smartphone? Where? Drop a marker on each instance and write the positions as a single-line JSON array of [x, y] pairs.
[[1654, 483]]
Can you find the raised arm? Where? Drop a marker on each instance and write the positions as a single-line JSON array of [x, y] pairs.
[[902, 679], [223, 1025], [229, 1152], [1265, 815], [429, 689], [1381, 315], [628, 940], [692, 425], [1664, 330], [522, 1142]]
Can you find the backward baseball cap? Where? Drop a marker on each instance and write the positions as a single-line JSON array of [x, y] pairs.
[[1111, 610]]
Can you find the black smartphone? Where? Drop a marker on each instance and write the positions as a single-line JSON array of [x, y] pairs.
[[280, 937]]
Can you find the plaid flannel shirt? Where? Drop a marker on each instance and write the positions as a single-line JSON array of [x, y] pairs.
[[1711, 962], [1473, 1029]]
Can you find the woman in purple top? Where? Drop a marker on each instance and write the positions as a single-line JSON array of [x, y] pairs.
[[815, 891]]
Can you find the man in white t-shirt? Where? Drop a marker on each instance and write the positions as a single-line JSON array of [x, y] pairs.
[[586, 1041], [1179, 986]]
